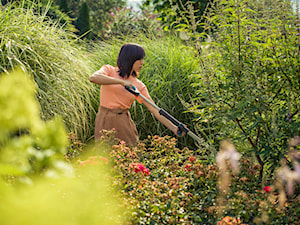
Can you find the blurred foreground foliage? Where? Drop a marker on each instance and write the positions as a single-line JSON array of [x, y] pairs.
[[28, 144], [37, 186]]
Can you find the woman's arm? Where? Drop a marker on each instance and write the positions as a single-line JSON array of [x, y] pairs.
[[102, 79], [161, 118]]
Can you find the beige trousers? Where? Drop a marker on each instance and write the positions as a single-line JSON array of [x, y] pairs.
[[120, 119]]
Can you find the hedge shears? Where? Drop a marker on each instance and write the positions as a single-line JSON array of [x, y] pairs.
[[181, 127]]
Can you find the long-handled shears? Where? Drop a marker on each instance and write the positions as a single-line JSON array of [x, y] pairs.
[[181, 128]]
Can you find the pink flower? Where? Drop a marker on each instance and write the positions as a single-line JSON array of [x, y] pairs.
[[122, 142], [228, 153], [139, 167], [267, 189], [290, 177], [146, 171], [104, 160], [93, 160]]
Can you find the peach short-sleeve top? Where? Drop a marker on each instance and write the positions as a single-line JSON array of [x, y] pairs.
[[116, 96]]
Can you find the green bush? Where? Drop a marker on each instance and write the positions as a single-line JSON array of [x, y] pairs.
[[23, 154], [248, 86]]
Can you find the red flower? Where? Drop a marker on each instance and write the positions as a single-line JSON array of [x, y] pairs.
[[267, 189], [192, 158]]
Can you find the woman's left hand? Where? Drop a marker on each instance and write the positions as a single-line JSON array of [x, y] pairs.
[[178, 132]]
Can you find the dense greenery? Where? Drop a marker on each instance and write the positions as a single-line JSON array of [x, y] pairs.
[[168, 185], [59, 65], [124, 22], [239, 79], [179, 12], [68, 12], [249, 83], [99, 12]]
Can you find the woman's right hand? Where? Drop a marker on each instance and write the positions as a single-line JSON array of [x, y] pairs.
[[127, 83], [102, 79]]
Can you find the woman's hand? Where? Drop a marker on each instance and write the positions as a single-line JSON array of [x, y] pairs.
[[177, 131], [102, 79], [126, 83], [180, 135]]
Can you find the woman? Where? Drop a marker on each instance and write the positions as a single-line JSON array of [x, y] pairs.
[[115, 100]]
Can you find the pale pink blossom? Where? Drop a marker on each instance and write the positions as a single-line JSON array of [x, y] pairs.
[[289, 177], [229, 154]]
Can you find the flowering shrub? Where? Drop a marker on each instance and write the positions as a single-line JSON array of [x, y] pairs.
[[182, 189], [126, 21]]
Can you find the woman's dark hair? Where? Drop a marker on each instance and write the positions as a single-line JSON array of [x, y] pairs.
[[129, 53]]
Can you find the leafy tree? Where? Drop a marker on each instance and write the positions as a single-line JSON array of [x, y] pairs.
[[83, 22], [4, 2], [126, 22], [179, 12], [99, 11], [63, 6]]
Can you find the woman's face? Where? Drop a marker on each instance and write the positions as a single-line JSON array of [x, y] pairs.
[[137, 66]]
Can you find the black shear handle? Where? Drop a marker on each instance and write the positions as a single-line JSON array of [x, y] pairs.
[[181, 127]]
